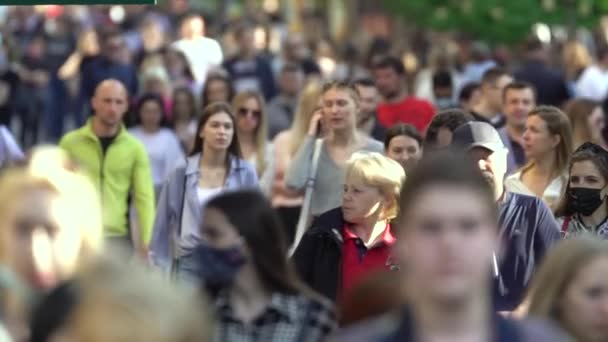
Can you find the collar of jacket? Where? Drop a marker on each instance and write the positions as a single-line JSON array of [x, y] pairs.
[[193, 161], [329, 224], [87, 129]]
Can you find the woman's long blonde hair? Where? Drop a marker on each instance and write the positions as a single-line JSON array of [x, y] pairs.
[[307, 104], [261, 135], [558, 271]]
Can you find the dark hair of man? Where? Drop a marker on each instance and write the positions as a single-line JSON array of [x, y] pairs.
[[519, 85], [402, 129], [492, 75], [364, 82], [290, 68], [241, 28], [533, 44], [467, 91], [449, 118], [441, 169], [442, 79], [392, 62]]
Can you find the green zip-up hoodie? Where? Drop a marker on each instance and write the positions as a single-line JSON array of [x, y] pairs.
[[124, 168]]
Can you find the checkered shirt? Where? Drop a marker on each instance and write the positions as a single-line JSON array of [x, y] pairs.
[[288, 318]]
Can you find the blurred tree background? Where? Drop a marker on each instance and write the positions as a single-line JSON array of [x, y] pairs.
[[499, 21]]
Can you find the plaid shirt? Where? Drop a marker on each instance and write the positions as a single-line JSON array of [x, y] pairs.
[[287, 318]]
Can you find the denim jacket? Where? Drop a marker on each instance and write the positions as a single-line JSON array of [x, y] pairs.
[[169, 219]]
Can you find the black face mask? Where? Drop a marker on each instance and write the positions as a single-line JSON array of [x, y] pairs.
[[219, 266], [584, 201]]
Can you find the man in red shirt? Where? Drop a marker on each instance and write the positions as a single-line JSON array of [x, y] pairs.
[[397, 105]]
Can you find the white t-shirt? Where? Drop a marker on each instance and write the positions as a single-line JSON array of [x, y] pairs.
[[593, 84], [163, 150], [203, 54]]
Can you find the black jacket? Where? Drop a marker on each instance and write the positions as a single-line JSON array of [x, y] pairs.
[[318, 258]]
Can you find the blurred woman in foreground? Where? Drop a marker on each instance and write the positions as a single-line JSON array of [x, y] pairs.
[[109, 301], [571, 289], [242, 258]]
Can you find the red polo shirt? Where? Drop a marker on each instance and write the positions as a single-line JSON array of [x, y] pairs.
[[410, 110], [358, 261]]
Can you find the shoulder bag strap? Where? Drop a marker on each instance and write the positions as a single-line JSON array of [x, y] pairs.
[[310, 184]]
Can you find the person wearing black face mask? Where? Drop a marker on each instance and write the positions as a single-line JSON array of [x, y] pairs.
[[243, 262], [584, 206]]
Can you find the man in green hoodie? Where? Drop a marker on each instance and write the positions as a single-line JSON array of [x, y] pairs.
[[117, 164]]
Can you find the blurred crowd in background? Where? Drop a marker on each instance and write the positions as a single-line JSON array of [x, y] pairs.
[[250, 174]]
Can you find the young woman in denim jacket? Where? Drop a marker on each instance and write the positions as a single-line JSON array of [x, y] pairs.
[[214, 166]]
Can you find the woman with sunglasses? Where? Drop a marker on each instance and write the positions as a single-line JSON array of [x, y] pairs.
[[251, 127], [340, 106], [584, 206], [257, 294], [214, 166]]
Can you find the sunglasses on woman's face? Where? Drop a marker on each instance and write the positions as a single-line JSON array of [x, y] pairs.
[[246, 111]]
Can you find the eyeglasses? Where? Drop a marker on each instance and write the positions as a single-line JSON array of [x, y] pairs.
[[245, 111]]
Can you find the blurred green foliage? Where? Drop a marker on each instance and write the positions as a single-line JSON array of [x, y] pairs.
[[505, 21]]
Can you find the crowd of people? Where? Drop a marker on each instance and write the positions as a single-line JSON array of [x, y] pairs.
[[210, 194]]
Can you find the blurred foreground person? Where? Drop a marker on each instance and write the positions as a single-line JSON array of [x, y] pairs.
[[112, 302], [584, 206], [571, 289], [243, 260], [52, 219], [447, 233], [527, 226], [348, 243]]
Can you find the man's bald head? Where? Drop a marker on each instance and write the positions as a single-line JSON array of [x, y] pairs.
[[110, 103], [113, 86]]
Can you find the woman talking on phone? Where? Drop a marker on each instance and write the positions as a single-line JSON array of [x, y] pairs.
[[340, 104]]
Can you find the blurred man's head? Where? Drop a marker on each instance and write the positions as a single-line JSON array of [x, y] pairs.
[[443, 89], [244, 38], [446, 234], [469, 96], [114, 44], [294, 47], [192, 26], [439, 132], [291, 79], [369, 98], [536, 49], [389, 75], [110, 103], [483, 145], [519, 98], [493, 84]]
